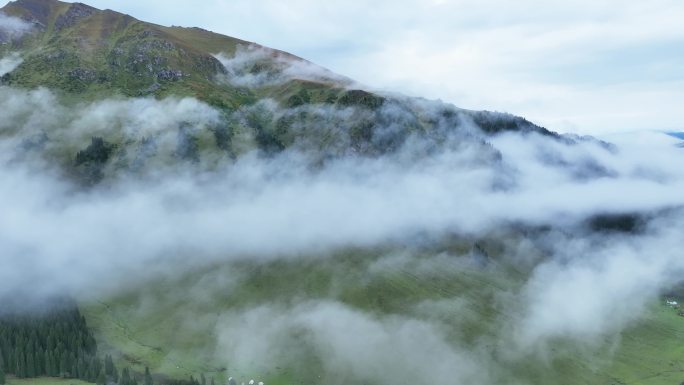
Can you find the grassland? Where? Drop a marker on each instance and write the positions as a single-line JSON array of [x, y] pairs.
[[170, 324], [45, 381]]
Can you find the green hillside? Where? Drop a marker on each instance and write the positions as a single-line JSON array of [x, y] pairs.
[[93, 53], [174, 325]]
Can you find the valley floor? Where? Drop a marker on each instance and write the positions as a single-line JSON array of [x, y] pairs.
[[176, 326], [45, 381]]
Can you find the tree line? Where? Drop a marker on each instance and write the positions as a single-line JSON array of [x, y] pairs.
[[58, 343]]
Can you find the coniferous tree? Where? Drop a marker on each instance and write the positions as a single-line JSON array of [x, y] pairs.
[[2, 376], [63, 370], [148, 377], [74, 372], [21, 364], [30, 366], [82, 369], [101, 378], [47, 369], [39, 360], [109, 365], [56, 342], [125, 377], [203, 380]]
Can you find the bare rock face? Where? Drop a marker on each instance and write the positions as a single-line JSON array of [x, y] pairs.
[[169, 75], [73, 15], [83, 74]]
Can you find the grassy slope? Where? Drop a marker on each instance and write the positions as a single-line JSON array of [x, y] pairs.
[[45, 381], [170, 324], [164, 337], [124, 56], [652, 352]]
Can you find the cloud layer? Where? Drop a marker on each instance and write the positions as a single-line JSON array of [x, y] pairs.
[[271, 207]]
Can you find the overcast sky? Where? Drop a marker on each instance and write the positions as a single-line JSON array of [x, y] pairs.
[[586, 66]]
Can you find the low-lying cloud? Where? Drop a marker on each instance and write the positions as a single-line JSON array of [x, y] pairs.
[[268, 207], [57, 237], [595, 286], [349, 345], [255, 66], [12, 28], [9, 63]]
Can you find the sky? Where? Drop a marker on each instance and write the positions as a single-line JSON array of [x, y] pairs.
[[583, 66]]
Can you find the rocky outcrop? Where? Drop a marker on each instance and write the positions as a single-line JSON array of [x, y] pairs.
[[75, 13], [169, 75], [83, 74]]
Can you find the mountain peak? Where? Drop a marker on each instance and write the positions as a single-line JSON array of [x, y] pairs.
[[261, 98], [80, 49], [40, 12]]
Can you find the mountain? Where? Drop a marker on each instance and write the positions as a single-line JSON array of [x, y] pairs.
[[219, 209], [80, 49], [265, 99]]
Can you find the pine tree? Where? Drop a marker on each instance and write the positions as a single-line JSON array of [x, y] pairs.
[[2, 376], [75, 373], [148, 377], [21, 365], [101, 378], [30, 366], [125, 377], [39, 361], [203, 380], [48, 364], [54, 344], [212, 381], [82, 369], [63, 368], [109, 365]]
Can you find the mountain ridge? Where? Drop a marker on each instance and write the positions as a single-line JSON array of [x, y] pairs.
[[80, 49], [263, 99]]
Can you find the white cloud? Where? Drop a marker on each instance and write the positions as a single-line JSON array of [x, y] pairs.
[[9, 63], [350, 345], [593, 287], [57, 238], [269, 208], [281, 68], [12, 28]]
